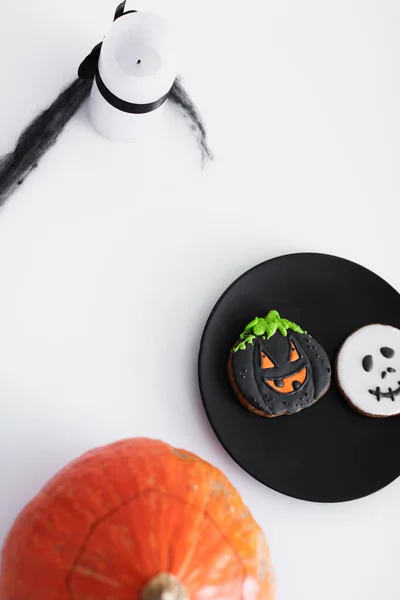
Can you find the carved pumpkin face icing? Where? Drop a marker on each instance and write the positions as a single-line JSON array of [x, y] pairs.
[[279, 374], [285, 384]]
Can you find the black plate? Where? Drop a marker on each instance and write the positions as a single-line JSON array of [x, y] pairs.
[[328, 452]]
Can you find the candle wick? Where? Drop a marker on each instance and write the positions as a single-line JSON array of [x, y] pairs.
[[138, 62]]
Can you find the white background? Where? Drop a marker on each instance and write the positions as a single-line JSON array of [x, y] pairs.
[[108, 249]]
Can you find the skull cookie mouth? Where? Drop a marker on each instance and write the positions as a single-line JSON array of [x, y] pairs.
[[291, 383], [389, 394]]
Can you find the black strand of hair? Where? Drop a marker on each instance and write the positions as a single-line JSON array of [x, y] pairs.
[[43, 132], [179, 96], [40, 135]]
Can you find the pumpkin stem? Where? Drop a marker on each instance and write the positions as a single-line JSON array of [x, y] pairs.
[[164, 587]]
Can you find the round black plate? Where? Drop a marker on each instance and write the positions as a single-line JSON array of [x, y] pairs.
[[328, 452]]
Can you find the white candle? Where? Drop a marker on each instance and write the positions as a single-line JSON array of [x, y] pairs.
[[137, 67]]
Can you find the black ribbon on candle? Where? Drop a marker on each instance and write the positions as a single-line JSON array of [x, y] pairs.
[[89, 70], [128, 107]]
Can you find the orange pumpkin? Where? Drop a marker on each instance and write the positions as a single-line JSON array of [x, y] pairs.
[[137, 520]]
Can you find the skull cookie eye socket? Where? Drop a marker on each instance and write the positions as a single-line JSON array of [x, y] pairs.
[[294, 355], [367, 363], [387, 352], [266, 362]]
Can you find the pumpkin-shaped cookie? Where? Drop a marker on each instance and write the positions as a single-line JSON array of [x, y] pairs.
[[137, 520], [276, 368]]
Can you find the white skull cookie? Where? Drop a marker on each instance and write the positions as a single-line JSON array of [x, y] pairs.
[[368, 370]]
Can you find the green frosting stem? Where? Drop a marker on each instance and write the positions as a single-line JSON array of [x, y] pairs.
[[268, 326]]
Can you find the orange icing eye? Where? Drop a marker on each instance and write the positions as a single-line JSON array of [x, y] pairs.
[[294, 355], [266, 362]]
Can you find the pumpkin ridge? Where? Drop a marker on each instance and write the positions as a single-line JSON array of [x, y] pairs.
[[223, 536], [203, 511], [190, 554], [91, 529], [225, 490], [90, 573]]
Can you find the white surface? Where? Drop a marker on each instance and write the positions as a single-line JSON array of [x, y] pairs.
[[107, 249], [356, 382], [134, 37]]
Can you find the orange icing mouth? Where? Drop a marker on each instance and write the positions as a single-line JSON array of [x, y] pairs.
[[287, 387]]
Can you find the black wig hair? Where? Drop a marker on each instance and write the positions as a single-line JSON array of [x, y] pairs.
[[39, 136], [43, 132]]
